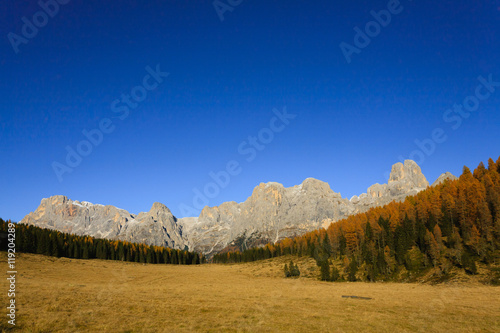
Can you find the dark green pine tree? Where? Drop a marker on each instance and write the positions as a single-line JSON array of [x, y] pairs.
[[142, 257], [104, 249], [286, 271], [112, 252], [293, 269], [166, 257], [98, 250], [325, 271], [175, 258], [381, 264], [149, 257], [136, 254], [182, 260], [342, 244], [368, 231], [55, 248], [128, 252], [121, 252], [85, 250], [335, 274], [43, 242], [469, 263], [420, 235], [327, 249], [70, 249], [353, 268], [76, 250]]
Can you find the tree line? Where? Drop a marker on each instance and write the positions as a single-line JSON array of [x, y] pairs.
[[32, 239], [453, 224]]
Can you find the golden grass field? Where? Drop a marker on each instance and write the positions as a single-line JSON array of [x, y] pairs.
[[106, 296]]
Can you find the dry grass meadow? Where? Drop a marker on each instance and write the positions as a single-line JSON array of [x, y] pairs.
[[106, 296]]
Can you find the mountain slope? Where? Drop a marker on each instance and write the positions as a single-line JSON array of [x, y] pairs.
[[274, 212], [427, 237], [270, 214], [156, 227]]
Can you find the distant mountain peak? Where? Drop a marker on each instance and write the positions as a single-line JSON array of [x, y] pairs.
[[156, 227], [443, 177], [409, 172], [55, 200], [159, 207], [271, 213]]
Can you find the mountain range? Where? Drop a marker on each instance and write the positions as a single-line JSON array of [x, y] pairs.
[[273, 212]]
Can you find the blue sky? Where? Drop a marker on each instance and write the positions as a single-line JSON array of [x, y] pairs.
[[351, 122]]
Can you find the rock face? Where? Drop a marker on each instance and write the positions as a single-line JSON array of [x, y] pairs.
[[271, 213], [274, 212], [156, 227], [405, 179], [443, 177]]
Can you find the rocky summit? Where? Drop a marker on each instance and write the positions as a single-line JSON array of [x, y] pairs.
[[271, 213], [274, 212], [445, 176], [156, 227]]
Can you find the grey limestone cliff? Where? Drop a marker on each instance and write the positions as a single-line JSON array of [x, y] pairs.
[[274, 212], [156, 227]]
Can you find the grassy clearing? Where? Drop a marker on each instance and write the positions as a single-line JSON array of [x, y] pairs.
[[95, 295]]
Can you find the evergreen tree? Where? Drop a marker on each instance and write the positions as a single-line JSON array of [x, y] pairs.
[[325, 270], [55, 248], [286, 271], [76, 251], [326, 245], [296, 271], [85, 250], [291, 270], [149, 256], [335, 274], [353, 268], [142, 257], [469, 263]]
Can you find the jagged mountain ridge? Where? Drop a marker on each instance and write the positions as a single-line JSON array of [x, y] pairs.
[[274, 212], [156, 227], [271, 213]]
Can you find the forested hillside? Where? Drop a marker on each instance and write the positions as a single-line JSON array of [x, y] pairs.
[[32, 239], [454, 224]]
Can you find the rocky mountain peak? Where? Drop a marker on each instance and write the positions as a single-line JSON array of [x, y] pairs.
[[267, 192], [158, 207], [315, 185], [55, 200], [265, 187], [157, 227], [409, 173], [443, 177]]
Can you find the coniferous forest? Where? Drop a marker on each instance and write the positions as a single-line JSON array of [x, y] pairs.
[[32, 239], [453, 224]]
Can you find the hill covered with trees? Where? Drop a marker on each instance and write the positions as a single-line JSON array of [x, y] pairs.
[[453, 224], [32, 239]]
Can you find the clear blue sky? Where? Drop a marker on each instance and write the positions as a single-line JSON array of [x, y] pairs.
[[353, 120]]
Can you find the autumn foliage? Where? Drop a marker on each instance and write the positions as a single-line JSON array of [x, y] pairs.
[[454, 224]]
